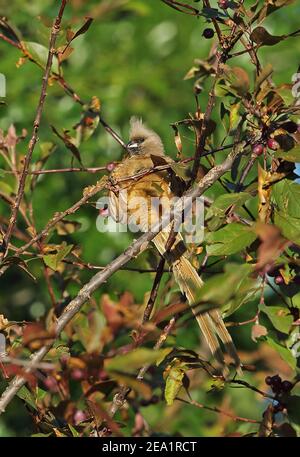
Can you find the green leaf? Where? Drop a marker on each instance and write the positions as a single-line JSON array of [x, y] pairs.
[[174, 381], [222, 203], [134, 360], [40, 54], [293, 155], [73, 431], [286, 194], [293, 408], [220, 288], [288, 225], [53, 260], [229, 240], [27, 396], [284, 352], [280, 317]]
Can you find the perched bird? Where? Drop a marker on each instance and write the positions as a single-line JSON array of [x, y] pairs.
[[131, 197]]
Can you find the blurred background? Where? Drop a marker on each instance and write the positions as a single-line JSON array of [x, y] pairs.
[[133, 58]]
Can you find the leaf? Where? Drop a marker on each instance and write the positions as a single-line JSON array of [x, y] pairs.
[[234, 117], [174, 381], [293, 155], [293, 408], [69, 143], [257, 331], [73, 431], [264, 193], [264, 38], [222, 203], [178, 142], [40, 54], [286, 194], [25, 394], [221, 287], [262, 76], [284, 352], [229, 240], [239, 80], [289, 226], [134, 360], [82, 29], [53, 260], [280, 317]]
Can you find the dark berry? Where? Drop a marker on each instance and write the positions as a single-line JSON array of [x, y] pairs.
[[287, 386], [224, 4], [268, 380], [276, 379], [258, 149], [279, 280], [272, 144], [208, 33]]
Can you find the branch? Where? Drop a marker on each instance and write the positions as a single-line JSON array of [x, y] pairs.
[[102, 276], [36, 125]]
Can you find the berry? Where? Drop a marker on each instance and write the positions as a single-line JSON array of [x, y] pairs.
[[268, 380], [279, 280], [79, 416], [276, 379], [224, 4], [110, 166], [272, 144], [77, 374], [208, 33], [51, 384], [258, 149], [287, 386]]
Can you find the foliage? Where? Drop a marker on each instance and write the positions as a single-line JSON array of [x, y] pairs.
[[111, 370]]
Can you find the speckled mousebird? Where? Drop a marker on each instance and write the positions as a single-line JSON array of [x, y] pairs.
[[146, 150]]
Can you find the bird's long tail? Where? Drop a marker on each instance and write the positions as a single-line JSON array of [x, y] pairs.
[[210, 322]]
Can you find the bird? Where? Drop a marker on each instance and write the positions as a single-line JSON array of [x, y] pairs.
[[131, 193]]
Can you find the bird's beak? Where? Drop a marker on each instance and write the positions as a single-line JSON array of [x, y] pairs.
[[133, 147]]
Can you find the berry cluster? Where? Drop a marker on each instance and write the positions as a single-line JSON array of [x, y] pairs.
[[280, 388], [277, 385]]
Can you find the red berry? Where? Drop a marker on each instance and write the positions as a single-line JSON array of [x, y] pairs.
[[224, 4], [208, 33], [279, 280], [79, 416], [258, 149], [272, 144], [110, 166], [287, 386], [77, 374], [51, 384]]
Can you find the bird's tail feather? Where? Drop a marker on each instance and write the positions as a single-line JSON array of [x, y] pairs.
[[210, 322]]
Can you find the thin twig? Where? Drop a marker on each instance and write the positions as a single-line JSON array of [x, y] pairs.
[[36, 126]]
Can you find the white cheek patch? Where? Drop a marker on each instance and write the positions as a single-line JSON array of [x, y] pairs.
[[134, 145]]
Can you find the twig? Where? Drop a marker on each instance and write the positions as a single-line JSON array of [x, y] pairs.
[[97, 280], [219, 411], [36, 125]]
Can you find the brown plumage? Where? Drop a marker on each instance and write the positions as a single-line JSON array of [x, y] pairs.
[[146, 150]]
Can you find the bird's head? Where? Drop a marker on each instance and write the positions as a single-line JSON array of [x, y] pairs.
[[142, 140]]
